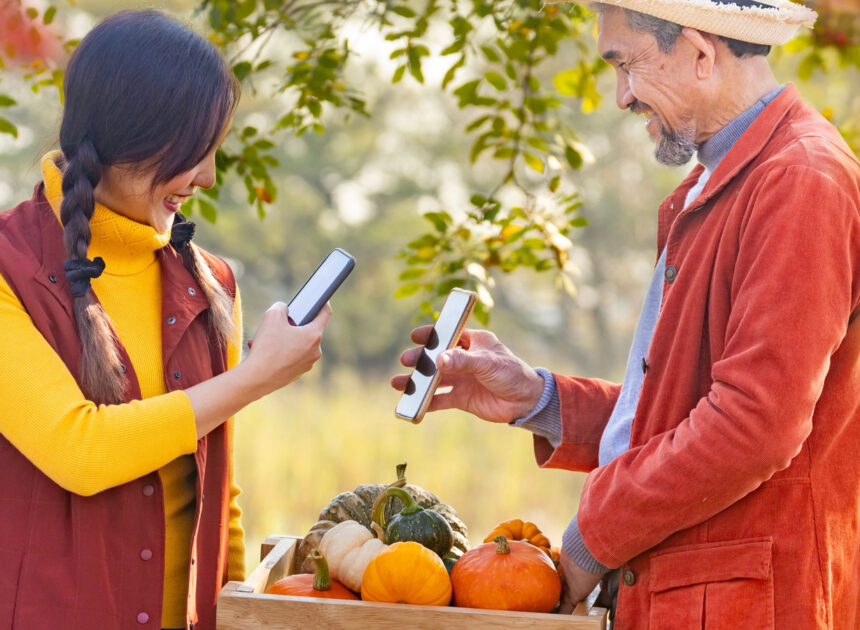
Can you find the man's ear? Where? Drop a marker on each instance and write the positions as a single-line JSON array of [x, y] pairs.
[[706, 46]]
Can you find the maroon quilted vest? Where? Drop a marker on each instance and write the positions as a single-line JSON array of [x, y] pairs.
[[75, 562]]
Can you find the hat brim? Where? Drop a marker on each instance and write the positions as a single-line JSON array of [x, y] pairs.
[[773, 25]]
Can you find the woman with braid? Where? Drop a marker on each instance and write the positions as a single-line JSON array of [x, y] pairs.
[[120, 370]]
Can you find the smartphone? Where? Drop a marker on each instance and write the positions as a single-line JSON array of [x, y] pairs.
[[445, 335], [320, 287]]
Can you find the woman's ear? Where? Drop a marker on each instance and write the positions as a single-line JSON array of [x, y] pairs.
[[705, 45]]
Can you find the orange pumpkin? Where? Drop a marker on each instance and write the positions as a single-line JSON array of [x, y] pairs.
[[407, 573], [526, 531], [504, 575], [319, 584]]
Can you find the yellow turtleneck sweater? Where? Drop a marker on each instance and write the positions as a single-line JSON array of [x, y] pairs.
[[76, 442]]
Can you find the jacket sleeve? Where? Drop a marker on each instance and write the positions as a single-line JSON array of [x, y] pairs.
[[44, 414], [586, 405], [794, 290]]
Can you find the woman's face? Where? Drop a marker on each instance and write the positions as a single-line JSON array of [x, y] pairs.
[[133, 194]]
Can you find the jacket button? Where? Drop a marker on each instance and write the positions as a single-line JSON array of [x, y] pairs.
[[191, 291], [53, 279], [142, 618], [148, 490], [177, 375], [146, 554], [645, 365], [629, 578], [671, 273], [171, 320], [122, 368]]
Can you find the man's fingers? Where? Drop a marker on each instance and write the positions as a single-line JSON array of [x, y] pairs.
[[399, 382], [421, 334], [410, 357]]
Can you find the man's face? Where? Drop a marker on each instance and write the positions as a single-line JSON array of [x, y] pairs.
[[652, 83]]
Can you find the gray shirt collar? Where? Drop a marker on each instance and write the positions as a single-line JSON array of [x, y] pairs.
[[712, 152]]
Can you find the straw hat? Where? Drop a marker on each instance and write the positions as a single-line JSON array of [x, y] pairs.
[[771, 22]]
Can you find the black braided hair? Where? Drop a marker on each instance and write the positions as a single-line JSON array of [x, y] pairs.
[[102, 378]]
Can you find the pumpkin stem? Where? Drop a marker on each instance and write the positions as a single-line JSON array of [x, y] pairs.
[[380, 533], [502, 545], [409, 504], [401, 475], [377, 510], [322, 578]]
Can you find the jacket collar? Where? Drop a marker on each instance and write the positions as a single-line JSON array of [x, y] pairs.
[[746, 149]]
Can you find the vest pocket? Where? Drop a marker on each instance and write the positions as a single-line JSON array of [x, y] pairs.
[[713, 586]]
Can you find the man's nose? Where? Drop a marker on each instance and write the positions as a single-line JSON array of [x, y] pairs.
[[623, 94]]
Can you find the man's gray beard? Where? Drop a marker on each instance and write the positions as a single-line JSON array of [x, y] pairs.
[[675, 148]]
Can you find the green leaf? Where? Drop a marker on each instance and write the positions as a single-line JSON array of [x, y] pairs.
[[407, 289], [496, 80], [568, 82], [315, 108], [538, 143], [452, 71], [412, 273], [398, 74], [49, 15], [7, 127], [244, 9], [403, 11], [242, 70], [207, 210], [534, 162], [573, 158], [579, 222], [554, 182], [7, 101], [440, 220], [491, 54]]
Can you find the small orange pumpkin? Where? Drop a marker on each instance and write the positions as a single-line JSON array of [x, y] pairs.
[[312, 585], [526, 531], [504, 575], [407, 573]]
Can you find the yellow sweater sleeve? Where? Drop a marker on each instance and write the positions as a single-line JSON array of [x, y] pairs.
[[75, 442], [236, 554]]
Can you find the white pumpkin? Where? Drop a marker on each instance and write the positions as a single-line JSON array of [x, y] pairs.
[[349, 547]]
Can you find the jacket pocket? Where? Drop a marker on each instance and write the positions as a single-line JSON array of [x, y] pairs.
[[713, 586]]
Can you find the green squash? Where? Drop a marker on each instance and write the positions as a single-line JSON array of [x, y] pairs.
[[415, 523]]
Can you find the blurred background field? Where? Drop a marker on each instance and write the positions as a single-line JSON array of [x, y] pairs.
[[363, 186]]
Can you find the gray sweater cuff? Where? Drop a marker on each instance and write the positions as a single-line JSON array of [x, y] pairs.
[[545, 419], [572, 543]]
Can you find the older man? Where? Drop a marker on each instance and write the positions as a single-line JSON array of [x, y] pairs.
[[724, 471]]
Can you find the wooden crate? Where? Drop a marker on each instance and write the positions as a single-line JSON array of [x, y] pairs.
[[245, 606]]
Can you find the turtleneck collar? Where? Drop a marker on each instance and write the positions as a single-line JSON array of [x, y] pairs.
[[713, 150], [127, 247]]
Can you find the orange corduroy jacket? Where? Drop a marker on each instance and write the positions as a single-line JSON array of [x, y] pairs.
[[738, 502]]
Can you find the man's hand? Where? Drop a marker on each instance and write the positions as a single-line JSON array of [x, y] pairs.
[[487, 380], [576, 583]]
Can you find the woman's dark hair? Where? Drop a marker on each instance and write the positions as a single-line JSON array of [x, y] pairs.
[[144, 91]]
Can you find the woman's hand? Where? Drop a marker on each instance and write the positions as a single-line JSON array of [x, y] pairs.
[[281, 352], [487, 380]]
